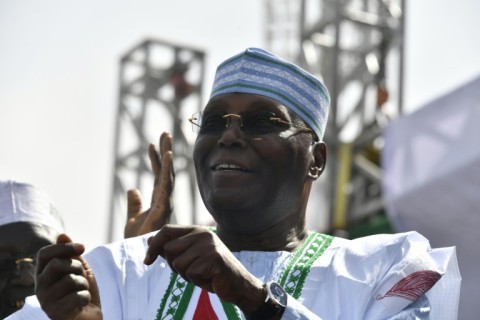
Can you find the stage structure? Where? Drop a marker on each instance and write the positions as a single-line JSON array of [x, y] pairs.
[[356, 47], [160, 86], [282, 30]]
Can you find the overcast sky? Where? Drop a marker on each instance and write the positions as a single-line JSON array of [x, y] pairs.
[[59, 67]]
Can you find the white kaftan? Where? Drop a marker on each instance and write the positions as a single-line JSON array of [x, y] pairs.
[[375, 277]]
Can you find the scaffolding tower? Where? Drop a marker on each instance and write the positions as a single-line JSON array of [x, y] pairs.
[[282, 32], [160, 86], [356, 47]]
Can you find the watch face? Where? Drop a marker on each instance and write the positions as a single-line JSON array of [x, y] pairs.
[[279, 294]]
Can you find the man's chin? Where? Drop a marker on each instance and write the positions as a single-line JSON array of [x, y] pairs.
[[232, 204], [236, 196], [9, 307], [7, 310]]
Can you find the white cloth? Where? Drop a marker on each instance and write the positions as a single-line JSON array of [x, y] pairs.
[[23, 202], [347, 281]]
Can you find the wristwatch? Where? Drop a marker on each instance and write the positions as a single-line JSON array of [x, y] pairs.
[[274, 305]]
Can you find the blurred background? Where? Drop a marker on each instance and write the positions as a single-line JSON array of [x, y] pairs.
[[86, 85]]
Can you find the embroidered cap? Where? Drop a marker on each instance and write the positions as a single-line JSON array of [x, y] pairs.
[[257, 71], [22, 202]]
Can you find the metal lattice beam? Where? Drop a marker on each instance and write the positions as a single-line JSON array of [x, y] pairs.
[[160, 85], [356, 47]]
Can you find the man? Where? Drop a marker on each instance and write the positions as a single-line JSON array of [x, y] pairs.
[[258, 151], [28, 222]]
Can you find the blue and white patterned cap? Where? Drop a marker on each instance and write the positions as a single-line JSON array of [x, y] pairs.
[[257, 71]]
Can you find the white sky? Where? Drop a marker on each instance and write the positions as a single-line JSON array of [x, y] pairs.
[[59, 67]]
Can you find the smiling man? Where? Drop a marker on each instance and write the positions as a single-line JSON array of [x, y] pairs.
[[258, 151], [28, 222], [246, 150]]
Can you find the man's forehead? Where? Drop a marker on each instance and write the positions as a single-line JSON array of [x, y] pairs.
[[244, 102], [26, 237]]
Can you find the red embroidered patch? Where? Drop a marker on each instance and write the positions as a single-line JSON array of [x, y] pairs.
[[204, 309], [413, 286]]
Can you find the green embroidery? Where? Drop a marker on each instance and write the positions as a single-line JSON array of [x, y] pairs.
[[184, 302], [294, 259], [232, 311], [180, 292], [299, 266], [173, 277], [297, 269], [292, 279]]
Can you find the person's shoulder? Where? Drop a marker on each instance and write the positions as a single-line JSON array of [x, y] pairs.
[[384, 249], [378, 255], [410, 239], [378, 241]]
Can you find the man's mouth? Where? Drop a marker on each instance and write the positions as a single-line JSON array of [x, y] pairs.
[[229, 167]]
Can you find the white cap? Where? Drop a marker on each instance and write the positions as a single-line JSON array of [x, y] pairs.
[[22, 202]]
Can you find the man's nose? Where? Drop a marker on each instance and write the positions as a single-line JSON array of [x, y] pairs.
[[232, 116], [233, 134]]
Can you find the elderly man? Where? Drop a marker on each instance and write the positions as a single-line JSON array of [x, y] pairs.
[[28, 222], [258, 151]]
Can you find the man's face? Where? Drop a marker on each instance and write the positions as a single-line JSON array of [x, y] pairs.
[[19, 243], [250, 178]]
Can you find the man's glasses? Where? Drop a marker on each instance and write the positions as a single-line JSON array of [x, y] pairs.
[[251, 122], [8, 266]]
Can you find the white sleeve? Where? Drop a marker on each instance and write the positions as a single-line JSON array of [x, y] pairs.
[[420, 310], [416, 272], [122, 278], [380, 277]]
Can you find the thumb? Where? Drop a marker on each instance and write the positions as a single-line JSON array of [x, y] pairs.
[[134, 203], [63, 238]]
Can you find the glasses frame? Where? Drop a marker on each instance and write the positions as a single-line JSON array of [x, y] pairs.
[[16, 265], [274, 118]]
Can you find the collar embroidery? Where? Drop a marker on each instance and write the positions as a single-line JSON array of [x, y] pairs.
[[179, 292]]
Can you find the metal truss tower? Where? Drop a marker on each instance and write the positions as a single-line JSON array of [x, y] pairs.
[[356, 47], [160, 86], [282, 18]]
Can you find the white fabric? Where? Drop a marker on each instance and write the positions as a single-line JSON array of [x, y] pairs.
[[22, 202], [431, 165], [31, 310], [343, 283]]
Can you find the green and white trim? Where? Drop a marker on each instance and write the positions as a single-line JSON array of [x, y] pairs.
[[178, 295]]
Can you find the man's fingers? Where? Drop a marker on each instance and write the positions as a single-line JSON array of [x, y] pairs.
[[134, 203], [63, 238], [155, 157], [67, 306], [59, 284], [167, 181], [92, 282], [63, 249], [167, 233], [165, 143], [154, 160]]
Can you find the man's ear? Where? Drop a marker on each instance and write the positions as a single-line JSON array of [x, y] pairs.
[[319, 160]]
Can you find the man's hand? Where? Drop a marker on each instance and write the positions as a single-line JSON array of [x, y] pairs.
[[201, 258], [161, 206], [64, 283]]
